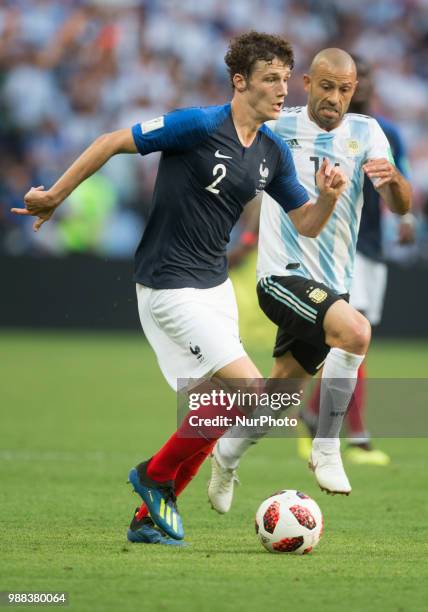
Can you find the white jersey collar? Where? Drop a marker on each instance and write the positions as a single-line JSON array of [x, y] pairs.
[[314, 125]]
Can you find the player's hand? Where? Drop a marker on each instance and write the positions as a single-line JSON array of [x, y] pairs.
[[38, 203], [380, 172], [331, 180]]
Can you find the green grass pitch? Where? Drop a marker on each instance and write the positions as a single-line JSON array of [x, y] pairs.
[[78, 410]]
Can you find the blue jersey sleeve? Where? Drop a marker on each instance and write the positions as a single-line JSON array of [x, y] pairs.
[[400, 154], [398, 147], [178, 130], [285, 187]]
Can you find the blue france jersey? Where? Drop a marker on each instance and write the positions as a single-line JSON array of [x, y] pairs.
[[204, 180]]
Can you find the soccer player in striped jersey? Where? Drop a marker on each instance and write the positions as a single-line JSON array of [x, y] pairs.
[[304, 282], [369, 281]]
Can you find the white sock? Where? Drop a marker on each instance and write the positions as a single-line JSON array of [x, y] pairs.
[[326, 443], [238, 439], [338, 382], [230, 450]]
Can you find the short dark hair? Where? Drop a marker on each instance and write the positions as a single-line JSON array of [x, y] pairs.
[[245, 50]]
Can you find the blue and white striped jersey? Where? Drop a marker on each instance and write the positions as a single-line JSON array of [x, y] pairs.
[[329, 258]]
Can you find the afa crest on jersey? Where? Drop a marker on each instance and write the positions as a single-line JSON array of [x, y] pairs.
[[353, 147]]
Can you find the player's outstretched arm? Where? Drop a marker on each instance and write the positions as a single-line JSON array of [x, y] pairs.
[[42, 204], [394, 189], [310, 218]]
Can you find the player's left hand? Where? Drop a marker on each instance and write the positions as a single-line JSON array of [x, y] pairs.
[[380, 171]]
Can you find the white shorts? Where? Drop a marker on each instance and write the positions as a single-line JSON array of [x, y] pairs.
[[368, 287], [194, 332]]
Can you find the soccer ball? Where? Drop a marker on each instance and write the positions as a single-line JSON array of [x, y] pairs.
[[289, 522]]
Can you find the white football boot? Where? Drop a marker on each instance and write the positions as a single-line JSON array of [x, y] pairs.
[[220, 486], [326, 463]]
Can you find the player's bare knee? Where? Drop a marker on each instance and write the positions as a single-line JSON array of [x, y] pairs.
[[358, 335], [352, 336]]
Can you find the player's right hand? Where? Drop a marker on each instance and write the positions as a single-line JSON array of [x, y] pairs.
[[38, 203], [331, 180]]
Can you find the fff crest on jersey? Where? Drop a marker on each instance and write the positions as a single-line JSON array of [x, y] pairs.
[[353, 146], [317, 295], [264, 173]]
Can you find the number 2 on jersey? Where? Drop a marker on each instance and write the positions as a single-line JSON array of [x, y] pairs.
[[220, 170]]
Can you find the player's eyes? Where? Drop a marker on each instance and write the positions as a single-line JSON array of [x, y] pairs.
[[276, 79]]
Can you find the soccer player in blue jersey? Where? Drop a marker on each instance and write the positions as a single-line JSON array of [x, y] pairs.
[[304, 283], [369, 279], [214, 160]]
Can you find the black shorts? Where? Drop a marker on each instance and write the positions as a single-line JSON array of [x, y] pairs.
[[298, 306]]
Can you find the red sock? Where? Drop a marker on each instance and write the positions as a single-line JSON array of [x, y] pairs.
[[355, 416], [314, 402], [185, 474], [189, 440]]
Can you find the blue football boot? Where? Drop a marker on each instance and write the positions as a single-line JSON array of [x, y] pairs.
[[160, 500], [144, 531]]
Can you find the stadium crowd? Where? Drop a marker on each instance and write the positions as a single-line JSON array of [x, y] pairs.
[[72, 70]]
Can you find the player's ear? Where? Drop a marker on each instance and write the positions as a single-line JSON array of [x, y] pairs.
[[306, 82], [239, 82]]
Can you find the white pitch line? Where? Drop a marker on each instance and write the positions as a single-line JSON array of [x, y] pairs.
[[59, 456]]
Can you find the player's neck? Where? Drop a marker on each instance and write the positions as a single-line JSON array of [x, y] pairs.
[[320, 125], [245, 121]]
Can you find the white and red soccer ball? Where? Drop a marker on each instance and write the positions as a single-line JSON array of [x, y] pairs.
[[289, 522]]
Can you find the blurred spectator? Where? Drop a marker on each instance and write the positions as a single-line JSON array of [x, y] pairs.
[[71, 70]]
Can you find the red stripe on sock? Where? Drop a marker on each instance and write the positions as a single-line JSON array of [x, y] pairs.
[[142, 512], [315, 399]]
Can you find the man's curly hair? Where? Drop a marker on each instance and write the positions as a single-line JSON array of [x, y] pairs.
[[245, 50]]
